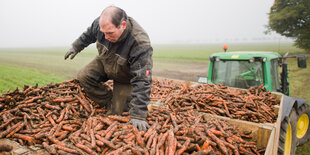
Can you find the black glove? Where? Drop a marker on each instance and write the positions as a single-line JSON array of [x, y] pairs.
[[140, 124], [71, 52]]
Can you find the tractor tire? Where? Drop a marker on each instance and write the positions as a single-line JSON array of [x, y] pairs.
[[287, 139], [303, 129]]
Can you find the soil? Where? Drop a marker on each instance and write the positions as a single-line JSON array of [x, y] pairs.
[[188, 71]]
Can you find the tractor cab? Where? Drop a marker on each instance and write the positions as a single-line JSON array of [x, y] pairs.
[[248, 69]]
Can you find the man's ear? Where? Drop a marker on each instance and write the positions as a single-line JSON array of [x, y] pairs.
[[124, 24]]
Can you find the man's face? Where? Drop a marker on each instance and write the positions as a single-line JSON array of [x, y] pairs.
[[112, 33]]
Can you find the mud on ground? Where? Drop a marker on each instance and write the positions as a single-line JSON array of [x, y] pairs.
[[188, 71]]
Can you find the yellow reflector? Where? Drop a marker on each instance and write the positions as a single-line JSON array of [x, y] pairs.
[[235, 56]]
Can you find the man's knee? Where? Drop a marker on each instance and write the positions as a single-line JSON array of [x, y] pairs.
[[81, 76]]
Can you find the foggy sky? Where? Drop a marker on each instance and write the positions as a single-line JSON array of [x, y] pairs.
[[48, 23]]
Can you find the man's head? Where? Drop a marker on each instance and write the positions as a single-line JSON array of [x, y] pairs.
[[112, 22]]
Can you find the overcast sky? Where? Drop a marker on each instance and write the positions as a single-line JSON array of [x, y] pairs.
[[50, 23]]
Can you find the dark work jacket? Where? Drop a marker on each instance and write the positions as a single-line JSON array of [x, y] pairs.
[[129, 60]]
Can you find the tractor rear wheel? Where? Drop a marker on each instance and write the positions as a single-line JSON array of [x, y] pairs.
[[287, 139], [303, 131]]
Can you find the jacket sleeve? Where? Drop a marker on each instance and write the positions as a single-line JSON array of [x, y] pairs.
[[141, 69], [88, 37]]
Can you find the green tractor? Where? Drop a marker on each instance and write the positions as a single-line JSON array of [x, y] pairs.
[[248, 69]]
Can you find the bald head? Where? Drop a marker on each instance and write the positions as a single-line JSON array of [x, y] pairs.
[[113, 14], [113, 22]]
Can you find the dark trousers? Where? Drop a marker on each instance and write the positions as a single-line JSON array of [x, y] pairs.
[[91, 78]]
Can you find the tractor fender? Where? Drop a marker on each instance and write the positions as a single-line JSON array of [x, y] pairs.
[[289, 103]]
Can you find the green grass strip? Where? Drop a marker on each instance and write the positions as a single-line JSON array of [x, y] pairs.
[[12, 77]]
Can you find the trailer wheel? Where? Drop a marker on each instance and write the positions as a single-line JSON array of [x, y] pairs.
[[287, 139], [303, 131]]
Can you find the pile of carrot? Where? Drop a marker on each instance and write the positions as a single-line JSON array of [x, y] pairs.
[[254, 104], [64, 120]]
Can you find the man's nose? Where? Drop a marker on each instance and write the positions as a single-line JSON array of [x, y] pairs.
[[107, 37]]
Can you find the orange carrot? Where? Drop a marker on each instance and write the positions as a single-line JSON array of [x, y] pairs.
[[66, 149], [234, 137], [83, 103], [138, 137], [16, 130], [85, 148], [9, 130], [27, 138], [171, 143], [55, 141], [218, 142], [93, 139], [205, 145], [105, 141], [163, 139], [119, 118]]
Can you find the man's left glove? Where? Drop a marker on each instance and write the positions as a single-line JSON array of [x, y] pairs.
[[71, 52], [140, 124]]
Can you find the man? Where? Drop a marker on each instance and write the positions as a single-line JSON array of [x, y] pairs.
[[125, 56]]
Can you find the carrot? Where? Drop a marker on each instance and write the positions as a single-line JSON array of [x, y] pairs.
[[119, 118], [163, 139], [234, 137], [99, 143], [40, 135], [171, 143], [245, 150], [218, 133], [55, 141], [153, 148], [85, 148], [68, 127], [52, 107], [149, 142], [138, 137], [106, 120], [119, 150], [218, 142], [229, 145], [173, 119], [184, 147], [236, 151], [33, 99], [150, 131], [126, 136], [104, 151], [26, 105], [27, 138], [7, 122], [205, 145], [62, 114], [53, 130], [47, 124], [206, 151], [9, 130], [93, 139], [83, 103], [109, 128], [68, 150], [138, 150], [60, 99], [62, 135], [109, 133], [48, 116], [18, 128], [248, 145], [105, 141]]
